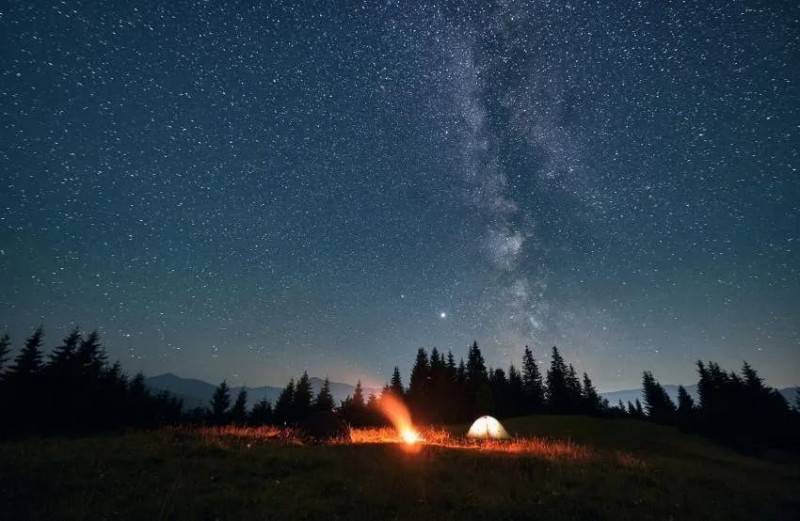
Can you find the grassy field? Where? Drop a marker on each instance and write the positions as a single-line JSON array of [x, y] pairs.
[[557, 468]]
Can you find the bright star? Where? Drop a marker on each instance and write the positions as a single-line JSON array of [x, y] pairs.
[[443, 314]]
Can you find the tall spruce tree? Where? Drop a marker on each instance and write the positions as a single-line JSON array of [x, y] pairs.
[[516, 392], [476, 369], [685, 412], [5, 348], [419, 386], [63, 356], [591, 401], [284, 405], [220, 401], [324, 399], [358, 396], [396, 384], [658, 404], [573, 390], [28, 362], [261, 413], [558, 393], [532, 384], [91, 356], [239, 409], [302, 397], [498, 383], [685, 401]]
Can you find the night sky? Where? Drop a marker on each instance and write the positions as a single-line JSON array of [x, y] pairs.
[[245, 191]]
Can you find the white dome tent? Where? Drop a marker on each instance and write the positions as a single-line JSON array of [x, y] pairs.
[[487, 428]]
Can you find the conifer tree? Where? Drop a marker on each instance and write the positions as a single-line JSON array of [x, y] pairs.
[[302, 397], [558, 395], [28, 362], [396, 384], [658, 404], [324, 399], [138, 400], [532, 383], [498, 383], [5, 348], [354, 408], [685, 401], [419, 386], [284, 406], [420, 373], [358, 396], [239, 409], [516, 392], [373, 412], [685, 411], [63, 356], [476, 368], [90, 355], [573, 390], [461, 373], [261, 414], [639, 410], [220, 402], [592, 404], [450, 367]]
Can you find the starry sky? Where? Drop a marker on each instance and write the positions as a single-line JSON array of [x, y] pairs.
[[247, 190]]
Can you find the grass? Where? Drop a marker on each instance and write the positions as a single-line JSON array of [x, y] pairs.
[[555, 468]]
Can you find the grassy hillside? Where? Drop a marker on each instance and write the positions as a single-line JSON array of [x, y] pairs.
[[582, 468]]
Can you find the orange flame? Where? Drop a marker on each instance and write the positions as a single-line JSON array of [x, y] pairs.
[[397, 413]]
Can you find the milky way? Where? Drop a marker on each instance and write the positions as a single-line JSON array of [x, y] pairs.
[[244, 191]]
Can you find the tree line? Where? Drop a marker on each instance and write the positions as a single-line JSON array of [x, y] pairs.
[[439, 391], [735, 409], [74, 389]]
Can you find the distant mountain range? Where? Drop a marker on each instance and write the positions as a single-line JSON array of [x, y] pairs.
[[197, 393]]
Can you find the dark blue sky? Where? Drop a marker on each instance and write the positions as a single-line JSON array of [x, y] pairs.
[[244, 191]]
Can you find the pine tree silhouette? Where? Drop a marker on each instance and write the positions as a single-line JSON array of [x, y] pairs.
[[220, 402], [419, 387], [5, 348], [685, 411], [284, 406], [396, 384], [591, 402], [63, 356], [238, 412], [324, 400], [516, 392], [29, 360], [532, 383], [658, 404], [91, 356], [302, 398], [573, 391], [558, 393], [261, 414]]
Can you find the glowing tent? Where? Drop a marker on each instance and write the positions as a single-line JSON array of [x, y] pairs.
[[487, 428]]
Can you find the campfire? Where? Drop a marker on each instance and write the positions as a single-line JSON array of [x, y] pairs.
[[397, 413]]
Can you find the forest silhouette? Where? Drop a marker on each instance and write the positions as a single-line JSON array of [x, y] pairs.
[[75, 390]]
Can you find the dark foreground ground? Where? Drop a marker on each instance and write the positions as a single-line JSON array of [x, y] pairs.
[[578, 468]]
